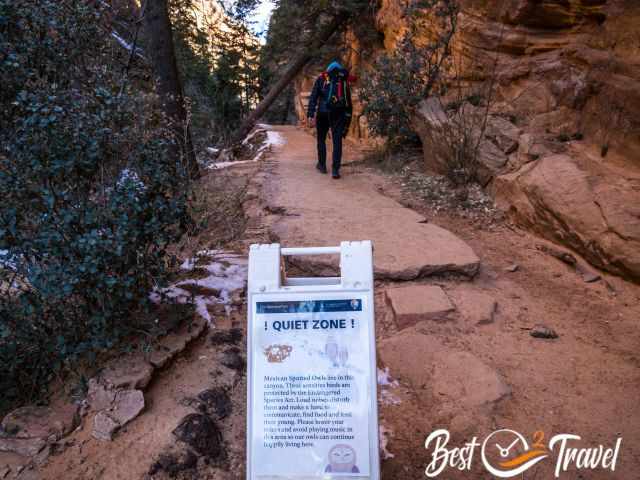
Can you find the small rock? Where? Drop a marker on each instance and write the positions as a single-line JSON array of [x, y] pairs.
[[221, 337], [129, 372], [215, 402], [98, 396], [174, 463], [202, 434], [41, 422], [414, 303], [590, 277], [513, 268], [232, 359], [104, 427], [168, 348], [27, 447], [475, 306], [42, 455], [127, 406], [541, 331], [27, 472]]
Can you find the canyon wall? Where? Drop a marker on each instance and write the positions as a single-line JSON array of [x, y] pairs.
[[561, 151]]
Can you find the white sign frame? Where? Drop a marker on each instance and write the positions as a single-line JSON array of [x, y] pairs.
[[267, 281]]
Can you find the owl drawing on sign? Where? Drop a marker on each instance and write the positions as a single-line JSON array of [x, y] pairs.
[[342, 459], [331, 350], [277, 353]]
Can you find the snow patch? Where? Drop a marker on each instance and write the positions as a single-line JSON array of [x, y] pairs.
[[221, 165], [273, 139], [386, 382], [384, 378], [227, 275], [384, 441]]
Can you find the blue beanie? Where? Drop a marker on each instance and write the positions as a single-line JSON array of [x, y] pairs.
[[333, 65]]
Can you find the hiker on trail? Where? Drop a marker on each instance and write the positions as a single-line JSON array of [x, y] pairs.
[[331, 96]]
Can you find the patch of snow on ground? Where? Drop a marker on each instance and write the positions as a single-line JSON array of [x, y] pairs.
[[274, 139], [385, 381], [384, 378], [384, 441], [227, 275]]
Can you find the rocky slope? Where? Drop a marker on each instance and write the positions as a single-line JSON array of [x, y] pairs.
[[561, 151]]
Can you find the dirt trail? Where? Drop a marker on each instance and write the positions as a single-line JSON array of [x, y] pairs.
[[471, 368], [315, 209]]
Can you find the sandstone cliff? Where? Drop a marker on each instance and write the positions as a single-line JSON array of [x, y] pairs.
[[561, 151]]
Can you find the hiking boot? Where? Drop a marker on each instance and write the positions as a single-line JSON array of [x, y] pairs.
[[321, 168]]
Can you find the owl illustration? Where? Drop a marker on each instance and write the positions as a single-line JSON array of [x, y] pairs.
[[331, 350], [342, 459], [277, 353]]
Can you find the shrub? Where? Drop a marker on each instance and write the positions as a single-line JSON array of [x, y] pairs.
[[90, 194], [401, 79]]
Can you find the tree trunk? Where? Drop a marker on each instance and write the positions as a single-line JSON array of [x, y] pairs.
[[165, 69], [290, 73]]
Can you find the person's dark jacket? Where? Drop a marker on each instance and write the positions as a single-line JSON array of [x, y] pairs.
[[320, 94]]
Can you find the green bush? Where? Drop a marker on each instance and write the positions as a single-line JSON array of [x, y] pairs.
[[90, 196], [399, 80]]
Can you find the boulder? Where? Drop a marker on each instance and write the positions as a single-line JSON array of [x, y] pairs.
[[440, 133], [581, 204]]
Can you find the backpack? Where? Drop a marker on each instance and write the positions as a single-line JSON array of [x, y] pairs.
[[339, 95]]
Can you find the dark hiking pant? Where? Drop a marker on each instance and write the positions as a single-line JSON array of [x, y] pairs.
[[335, 121]]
